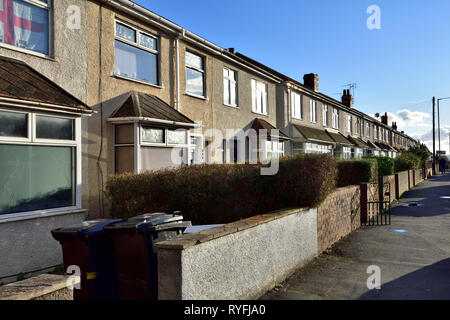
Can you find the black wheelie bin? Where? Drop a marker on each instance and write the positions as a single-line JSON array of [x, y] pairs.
[[88, 246], [135, 254]]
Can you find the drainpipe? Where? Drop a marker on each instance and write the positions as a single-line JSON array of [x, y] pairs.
[[177, 75]]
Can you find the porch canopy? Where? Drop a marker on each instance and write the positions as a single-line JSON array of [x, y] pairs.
[[311, 140], [23, 87], [340, 139], [358, 142], [314, 135], [147, 108], [150, 134], [261, 124]]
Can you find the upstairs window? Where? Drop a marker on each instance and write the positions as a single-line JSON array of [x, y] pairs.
[[136, 54], [313, 111], [325, 115], [335, 118], [349, 124], [195, 74], [368, 129], [25, 24], [296, 103], [259, 97], [229, 87], [362, 128]]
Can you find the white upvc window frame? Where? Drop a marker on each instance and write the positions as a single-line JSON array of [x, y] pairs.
[[49, 7], [296, 105], [349, 123], [325, 115], [275, 148], [164, 144], [230, 80], [202, 71], [32, 140], [367, 129], [137, 45], [257, 94], [313, 111], [335, 118]]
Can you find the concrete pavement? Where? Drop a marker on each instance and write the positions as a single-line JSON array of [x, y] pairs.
[[414, 265]]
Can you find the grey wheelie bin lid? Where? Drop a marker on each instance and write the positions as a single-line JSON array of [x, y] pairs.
[[149, 222]]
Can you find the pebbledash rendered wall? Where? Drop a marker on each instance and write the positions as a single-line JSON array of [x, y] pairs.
[[27, 246], [245, 259]]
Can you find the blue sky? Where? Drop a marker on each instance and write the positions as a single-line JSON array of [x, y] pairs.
[[397, 69]]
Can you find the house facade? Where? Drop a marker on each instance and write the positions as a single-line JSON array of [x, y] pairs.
[[165, 97], [43, 105]]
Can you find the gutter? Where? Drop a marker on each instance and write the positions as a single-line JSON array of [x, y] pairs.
[[11, 102], [144, 14]]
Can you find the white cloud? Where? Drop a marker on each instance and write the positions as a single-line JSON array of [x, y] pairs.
[[407, 118], [427, 138]]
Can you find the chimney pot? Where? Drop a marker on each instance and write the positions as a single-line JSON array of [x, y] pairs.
[[231, 50]]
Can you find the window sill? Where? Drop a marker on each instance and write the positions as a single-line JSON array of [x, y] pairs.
[[39, 214], [137, 81], [231, 106], [261, 114], [26, 51], [195, 96]]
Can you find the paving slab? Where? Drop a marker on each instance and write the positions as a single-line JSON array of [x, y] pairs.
[[414, 265]]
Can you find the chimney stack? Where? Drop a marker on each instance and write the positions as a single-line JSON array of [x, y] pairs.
[[231, 50], [347, 98], [384, 119], [394, 126], [311, 81]]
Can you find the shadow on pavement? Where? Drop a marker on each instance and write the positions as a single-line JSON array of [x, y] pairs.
[[430, 197], [428, 283]]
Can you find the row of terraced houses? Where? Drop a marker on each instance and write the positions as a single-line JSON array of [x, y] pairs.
[[92, 88]]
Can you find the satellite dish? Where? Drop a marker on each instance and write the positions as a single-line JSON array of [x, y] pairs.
[[377, 115]]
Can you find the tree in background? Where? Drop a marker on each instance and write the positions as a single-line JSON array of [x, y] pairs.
[[422, 152]]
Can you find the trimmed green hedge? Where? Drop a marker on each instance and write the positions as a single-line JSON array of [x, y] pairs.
[[407, 160], [216, 193], [385, 165], [355, 172]]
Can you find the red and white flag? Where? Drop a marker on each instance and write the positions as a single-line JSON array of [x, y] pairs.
[[24, 25]]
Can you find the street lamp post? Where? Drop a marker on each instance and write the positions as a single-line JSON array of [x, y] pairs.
[[439, 121]]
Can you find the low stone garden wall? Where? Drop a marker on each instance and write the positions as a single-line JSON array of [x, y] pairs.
[[42, 287], [244, 259], [401, 183], [241, 260]]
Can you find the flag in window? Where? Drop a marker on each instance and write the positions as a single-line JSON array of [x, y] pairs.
[[24, 25]]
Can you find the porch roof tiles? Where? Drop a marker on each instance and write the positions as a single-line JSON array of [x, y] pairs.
[[339, 138], [314, 134], [358, 142], [21, 82], [261, 124], [143, 105]]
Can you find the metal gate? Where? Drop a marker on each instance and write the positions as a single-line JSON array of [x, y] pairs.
[[378, 204]]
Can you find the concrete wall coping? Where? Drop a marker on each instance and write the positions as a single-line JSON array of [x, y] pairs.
[[39, 214], [189, 240], [34, 287]]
